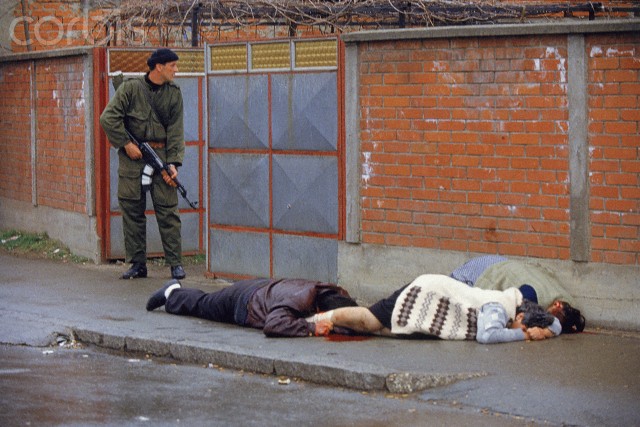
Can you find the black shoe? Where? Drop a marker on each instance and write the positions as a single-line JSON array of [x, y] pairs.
[[137, 270], [157, 299], [177, 272]]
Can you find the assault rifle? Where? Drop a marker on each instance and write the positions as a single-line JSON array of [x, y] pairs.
[[154, 161]]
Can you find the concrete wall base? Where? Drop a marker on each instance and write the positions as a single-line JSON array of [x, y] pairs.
[[608, 295], [75, 230]]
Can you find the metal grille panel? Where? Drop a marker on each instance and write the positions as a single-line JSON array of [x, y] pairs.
[[239, 189], [238, 112], [191, 93], [305, 194], [304, 112], [239, 253], [297, 256]]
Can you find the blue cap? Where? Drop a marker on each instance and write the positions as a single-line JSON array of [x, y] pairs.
[[529, 293]]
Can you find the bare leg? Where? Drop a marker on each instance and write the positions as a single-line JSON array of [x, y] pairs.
[[359, 319]]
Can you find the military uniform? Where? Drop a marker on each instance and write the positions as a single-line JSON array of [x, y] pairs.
[[130, 106]]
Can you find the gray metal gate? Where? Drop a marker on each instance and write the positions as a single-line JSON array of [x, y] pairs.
[[274, 159]]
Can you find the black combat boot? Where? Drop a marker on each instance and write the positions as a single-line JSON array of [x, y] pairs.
[[137, 270], [177, 272]]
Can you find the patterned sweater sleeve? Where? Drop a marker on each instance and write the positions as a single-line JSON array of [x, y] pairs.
[[492, 325]]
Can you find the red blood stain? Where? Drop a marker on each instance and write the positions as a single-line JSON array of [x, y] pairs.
[[346, 338]]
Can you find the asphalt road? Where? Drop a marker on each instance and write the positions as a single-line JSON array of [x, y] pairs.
[[82, 386]]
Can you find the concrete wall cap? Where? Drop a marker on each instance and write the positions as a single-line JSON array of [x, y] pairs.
[[47, 54], [515, 29]]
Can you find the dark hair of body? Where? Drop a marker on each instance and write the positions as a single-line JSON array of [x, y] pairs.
[[571, 319], [534, 315]]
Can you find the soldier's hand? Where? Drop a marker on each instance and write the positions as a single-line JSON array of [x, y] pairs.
[[170, 176], [133, 151], [174, 171]]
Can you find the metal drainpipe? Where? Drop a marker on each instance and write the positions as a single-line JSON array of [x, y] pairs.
[[27, 37], [194, 25]]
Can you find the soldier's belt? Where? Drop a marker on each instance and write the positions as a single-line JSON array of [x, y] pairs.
[[156, 144]]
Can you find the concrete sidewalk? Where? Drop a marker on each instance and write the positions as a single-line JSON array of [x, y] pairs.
[[591, 378]]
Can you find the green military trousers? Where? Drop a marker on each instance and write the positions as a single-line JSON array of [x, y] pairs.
[[133, 203]]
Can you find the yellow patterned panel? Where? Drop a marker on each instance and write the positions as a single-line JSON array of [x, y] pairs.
[[316, 53], [128, 61], [229, 57], [135, 61], [270, 56], [191, 61]]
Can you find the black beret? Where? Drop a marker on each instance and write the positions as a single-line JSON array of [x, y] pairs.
[[161, 56]]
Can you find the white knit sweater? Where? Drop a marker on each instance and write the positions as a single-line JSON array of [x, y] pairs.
[[438, 305]]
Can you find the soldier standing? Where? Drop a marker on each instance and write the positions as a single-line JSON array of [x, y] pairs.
[[151, 108]]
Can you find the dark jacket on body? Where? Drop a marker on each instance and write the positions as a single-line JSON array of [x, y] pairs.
[[280, 307], [277, 306]]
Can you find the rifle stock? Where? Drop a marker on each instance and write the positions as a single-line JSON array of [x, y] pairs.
[[152, 159]]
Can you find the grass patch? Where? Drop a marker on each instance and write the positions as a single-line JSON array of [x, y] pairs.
[[186, 260], [40, 245], [36, 245]]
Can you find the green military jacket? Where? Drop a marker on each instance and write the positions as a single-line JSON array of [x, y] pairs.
[[130, 106]]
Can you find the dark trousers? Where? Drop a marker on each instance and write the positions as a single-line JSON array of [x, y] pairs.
[[228, 305]]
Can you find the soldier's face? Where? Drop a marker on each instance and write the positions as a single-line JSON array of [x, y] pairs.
[[168, 71]]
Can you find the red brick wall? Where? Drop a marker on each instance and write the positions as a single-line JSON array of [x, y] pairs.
[[60, 133], [465, 147], [614, 114], [56, 24], [15, 131]]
